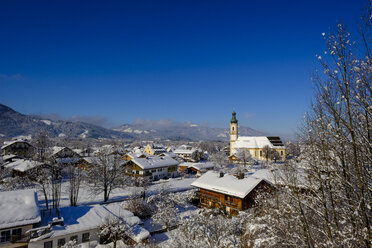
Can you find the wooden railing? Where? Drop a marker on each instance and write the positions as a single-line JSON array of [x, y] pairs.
[[19, 238], [216, 199]]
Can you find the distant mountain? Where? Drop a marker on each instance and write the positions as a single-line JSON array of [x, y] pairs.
[[14, 124], [173, 130]]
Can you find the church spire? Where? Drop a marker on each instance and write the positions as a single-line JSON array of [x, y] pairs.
[[233, 119]]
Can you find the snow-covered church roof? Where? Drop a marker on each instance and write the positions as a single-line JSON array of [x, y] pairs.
[[255, 142], [18, 208], [227, 184]]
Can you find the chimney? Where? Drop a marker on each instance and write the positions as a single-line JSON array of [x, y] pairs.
[[221, 174]]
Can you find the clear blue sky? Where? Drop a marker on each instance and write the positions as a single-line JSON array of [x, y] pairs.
[[182, 60]]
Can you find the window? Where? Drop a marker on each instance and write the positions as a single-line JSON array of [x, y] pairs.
[[261, 153], [17, 232], [74, 238], [61, 242], [48, 244], [281, 153], [5, 236], [137, 172], [85, 237]]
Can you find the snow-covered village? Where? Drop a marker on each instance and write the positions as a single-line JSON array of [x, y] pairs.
[[185, 124]]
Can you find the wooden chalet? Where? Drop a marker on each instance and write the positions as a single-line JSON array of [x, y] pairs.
[[229, 192], [18, 147]]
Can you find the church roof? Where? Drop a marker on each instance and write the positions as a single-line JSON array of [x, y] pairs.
[[256, 142]]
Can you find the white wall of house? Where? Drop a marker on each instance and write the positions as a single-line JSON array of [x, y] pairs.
[[92, 232]]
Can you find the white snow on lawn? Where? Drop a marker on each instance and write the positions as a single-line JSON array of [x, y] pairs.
[[120, 194]]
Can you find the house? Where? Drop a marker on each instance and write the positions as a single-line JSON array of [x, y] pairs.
[[188, 153], [63, 152], [18, 147], [155, 149], [24, 167], [254, 144], [19, 213], [152, 167], [196, 168], [228, 192], [82, 224]]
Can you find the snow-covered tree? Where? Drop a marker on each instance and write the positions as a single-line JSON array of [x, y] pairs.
[[330, 204], [205, 228], [113, 230], [166, 213], [220, 159], [244, 156]]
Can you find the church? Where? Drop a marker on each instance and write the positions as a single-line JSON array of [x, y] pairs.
[[254, 144]]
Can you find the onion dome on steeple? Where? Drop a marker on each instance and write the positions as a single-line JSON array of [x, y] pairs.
[[233, 119]]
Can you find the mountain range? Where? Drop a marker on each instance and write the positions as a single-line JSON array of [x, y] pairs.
[[13, 123]]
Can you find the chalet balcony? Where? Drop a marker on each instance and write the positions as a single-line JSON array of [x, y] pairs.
[[207, 196], [216, 199], [231, 204], [20, 238]]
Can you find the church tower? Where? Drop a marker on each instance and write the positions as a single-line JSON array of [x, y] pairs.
[[233, 130]]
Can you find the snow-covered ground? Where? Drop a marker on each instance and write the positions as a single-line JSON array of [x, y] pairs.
[[86, 197]]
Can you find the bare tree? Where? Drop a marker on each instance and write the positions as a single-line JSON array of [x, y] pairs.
[[106, 174], [42, 177], [74, 174], [41, 142], [56, 184], [293, 149]]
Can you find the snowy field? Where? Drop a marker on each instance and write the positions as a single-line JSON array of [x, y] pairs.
[[86, 197]]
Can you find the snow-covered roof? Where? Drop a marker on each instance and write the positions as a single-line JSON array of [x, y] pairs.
[[253, 142], [199, 166], [11, 157], [228, 184], [151, 162], [169, 154], [18, 208], [83, 218], [181, 150], [8, 143], [22, 165]]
